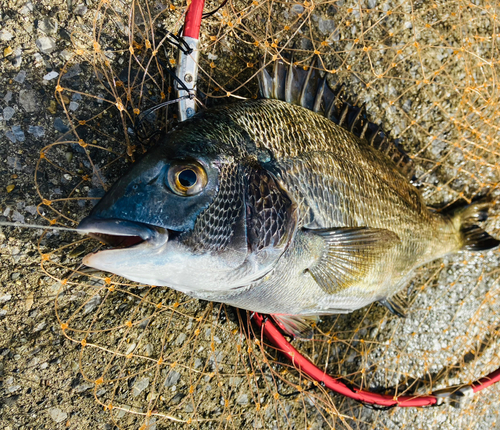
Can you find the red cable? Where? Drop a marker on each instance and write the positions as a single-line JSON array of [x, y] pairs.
[[193, 19], [304, 365], [485, 382]]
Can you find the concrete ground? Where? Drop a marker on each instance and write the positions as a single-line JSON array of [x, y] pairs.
[[450, 334]]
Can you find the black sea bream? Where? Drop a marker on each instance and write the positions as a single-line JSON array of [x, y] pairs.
[[274, 207]]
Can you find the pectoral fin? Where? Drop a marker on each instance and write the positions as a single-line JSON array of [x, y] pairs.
[[348, 255], [296, 325]]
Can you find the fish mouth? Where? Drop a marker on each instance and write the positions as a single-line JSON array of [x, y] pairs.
[[119, 233]]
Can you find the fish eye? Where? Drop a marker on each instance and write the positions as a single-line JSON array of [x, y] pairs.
[[187, 179]]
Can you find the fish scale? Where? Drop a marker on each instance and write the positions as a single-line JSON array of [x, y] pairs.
[[350, 163], [345, 185], [296, 216], [214, 226]]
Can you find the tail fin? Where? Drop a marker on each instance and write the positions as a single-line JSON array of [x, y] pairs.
[[474, 238]]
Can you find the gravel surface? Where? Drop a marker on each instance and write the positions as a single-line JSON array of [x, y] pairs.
[[42, 385]]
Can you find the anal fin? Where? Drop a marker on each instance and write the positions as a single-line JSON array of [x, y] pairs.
[[298, 326], [395, 305]]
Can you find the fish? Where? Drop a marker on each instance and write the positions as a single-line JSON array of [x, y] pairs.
[[292, 205]]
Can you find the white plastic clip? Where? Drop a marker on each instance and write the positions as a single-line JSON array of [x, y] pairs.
[[187, 72]]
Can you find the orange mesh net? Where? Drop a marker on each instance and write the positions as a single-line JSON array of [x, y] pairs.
[[426, 71]]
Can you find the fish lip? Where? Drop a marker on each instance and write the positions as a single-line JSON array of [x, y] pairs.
[[121, 233]]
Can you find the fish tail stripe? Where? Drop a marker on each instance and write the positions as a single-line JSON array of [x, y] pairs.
[[304, 88], [364, 130], [275, 81], [279, 81], [289, 83], [473, 237], [318, 101], [342, 122]]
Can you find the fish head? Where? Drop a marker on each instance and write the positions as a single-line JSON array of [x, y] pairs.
[[191, 215]]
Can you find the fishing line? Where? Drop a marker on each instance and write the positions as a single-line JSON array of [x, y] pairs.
[[207, 14], [43, 227], [143, 116]]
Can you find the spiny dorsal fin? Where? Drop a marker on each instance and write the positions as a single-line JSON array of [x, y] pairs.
[[309, 88], [348, 255]]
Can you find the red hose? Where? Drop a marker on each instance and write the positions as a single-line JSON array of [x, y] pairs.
[[193, 19], [304, 365], [485, 382]]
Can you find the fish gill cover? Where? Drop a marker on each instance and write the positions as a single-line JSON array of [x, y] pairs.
[[154, 358]]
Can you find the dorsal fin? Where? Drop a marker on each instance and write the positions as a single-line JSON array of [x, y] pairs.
[[308, 87]]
